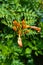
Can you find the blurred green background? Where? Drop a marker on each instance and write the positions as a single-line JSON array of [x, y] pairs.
[[32, 51]]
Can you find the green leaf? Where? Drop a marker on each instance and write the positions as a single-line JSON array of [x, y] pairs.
[[28, 51]]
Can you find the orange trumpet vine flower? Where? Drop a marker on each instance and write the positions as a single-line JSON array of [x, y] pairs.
[[14, 28], [15, 23], [19, 29], [19, 41], [24, 26], [36, 28]]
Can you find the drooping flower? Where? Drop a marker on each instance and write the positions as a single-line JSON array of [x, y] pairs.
[[36, 28], [20, 41]]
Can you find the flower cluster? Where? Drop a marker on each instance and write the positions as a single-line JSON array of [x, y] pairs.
[[19, 27]]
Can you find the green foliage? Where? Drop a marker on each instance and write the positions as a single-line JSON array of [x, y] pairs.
[[10, 52]]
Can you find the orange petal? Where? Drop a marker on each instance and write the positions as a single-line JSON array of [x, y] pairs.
[[15, 22], [18, 25], [23, 22], [14, 28], [27, 26], [23, 26]]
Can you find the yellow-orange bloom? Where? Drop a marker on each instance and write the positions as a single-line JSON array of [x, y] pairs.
[[18, 25], [14, 28], [15, 23], [23, 22], [25, 26]]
